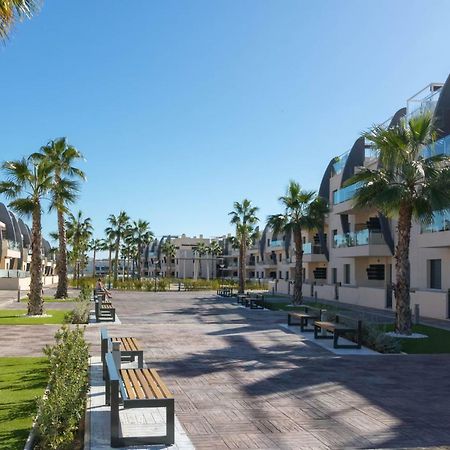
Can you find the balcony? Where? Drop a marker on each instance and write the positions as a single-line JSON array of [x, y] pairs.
[[342, 198], [10, 249], [313, 253], [440, 147], [436, 233], [360, 243], [339, 163], [277, 244]]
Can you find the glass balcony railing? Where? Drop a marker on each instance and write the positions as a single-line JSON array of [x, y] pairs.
[[346, 193], [339, 164], [357, 238], [424, 101], [312, 249], [279, 243], [12, 245], [440, 147], [441, 222], [10, 273]]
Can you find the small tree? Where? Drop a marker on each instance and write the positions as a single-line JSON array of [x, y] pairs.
[[200, 250], [406, 185], [169, 250], [118, 228], [243, 217]]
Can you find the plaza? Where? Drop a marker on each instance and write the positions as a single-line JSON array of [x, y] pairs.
[[242, 380]]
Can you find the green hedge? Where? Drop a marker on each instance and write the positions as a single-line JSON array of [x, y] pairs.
[[63, 407]]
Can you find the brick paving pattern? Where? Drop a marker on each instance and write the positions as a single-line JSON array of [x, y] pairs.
[[242, 381]]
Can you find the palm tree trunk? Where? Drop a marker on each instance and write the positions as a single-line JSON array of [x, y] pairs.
[[207, 268], [402, 267], [298, 276], [93, 263], [242, 251], [116, 260], [199, 266], [35, 303], [109, 264], [138, 261], [61, 264]]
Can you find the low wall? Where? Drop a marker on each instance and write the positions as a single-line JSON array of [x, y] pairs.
[[431, 303], [306, 290], [325, 291], [13, 284]]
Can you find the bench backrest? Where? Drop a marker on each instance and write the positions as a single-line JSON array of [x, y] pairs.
[[113, 374], [104, 333]]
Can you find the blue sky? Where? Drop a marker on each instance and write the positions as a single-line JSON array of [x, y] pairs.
[[183, 107]]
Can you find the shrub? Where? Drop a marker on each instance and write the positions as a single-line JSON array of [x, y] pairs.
[[79, 314], [376, 338], [62, 409]]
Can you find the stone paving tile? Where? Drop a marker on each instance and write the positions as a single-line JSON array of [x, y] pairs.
[[242, 381]]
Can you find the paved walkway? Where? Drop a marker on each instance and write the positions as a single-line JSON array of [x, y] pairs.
[[241, 380]]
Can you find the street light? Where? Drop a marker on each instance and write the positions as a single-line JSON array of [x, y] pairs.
[[222, 266]]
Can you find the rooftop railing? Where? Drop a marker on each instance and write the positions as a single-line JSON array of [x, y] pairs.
[[4, 273], [357, 238], [339, 164]]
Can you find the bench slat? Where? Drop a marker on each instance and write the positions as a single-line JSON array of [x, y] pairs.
[[140, 393], [161, 384], [133, 344], [143, 381], [157, 392], [128, 385]]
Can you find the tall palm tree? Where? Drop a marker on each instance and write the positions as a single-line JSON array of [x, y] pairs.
[[215, 249], [62, 157], [170, 251], [118, 225], [28, 182], [110, 241], [79, 231], [201, 250], [142, 236], [95, 245], [244, 218], [12, 11], [406, 185], [303, 210]]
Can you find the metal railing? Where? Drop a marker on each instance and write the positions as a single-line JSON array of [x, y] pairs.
[[10, 273]]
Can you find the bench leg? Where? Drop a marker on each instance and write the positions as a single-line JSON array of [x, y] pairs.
[[335, 339], [115, 421], [170, 422], [141, 360], [289, 319]]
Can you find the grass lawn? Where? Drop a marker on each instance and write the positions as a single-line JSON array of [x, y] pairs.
[[15, 317], [438, 340], [22, 380], [49, 299]]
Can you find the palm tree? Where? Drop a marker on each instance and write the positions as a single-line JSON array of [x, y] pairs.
[[244, 218], [303, 210], [406, 185], [201, 249], [62, 157], [11, 11], [95, 245], [214, 249], [79, 231], [110, 242], [142, 236], [170, 251], [118, 226], [27, 183]]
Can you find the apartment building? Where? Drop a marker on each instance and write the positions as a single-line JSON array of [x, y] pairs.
[[15, 249], [351, 258], [186, 263]]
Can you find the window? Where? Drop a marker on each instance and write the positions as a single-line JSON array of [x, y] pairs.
[[346, 273], [287, 275], [280, 276], [257, 259], [303, 274], [280, 257], [434, 274], [334, 275], [268, 242]]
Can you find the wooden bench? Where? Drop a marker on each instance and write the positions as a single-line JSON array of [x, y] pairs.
[[225, 291], [240, 298], [255, 301], [136, 388], [130, 348], [105, 311], [340, 326], [308, 314]]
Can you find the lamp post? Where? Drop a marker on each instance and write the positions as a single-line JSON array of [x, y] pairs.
[[222, 266]]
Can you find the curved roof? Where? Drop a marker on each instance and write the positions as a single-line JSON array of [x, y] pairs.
[[26, 235], [5, 217], [442, 111]]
